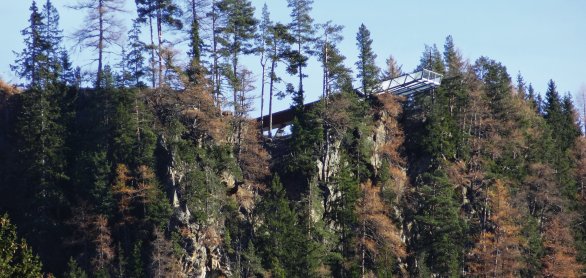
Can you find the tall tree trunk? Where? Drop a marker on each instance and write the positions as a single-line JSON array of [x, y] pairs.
[[301, 93], [100, 42], [152, 61], [262, 90], [160, 43], [271, 89]]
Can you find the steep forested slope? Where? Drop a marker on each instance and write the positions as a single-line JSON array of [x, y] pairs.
[[478, 177]]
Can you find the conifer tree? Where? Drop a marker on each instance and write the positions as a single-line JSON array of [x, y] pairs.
[[196, 43], [16, 257], [56, 65], [440, 226], [237, 35], [165, 13], [101, 29], [452, 58], [368, 72], [392, 69], [135, 59], [281, 240], [431, 59], [335, 74], [302, 29], [262, 44], [521, 85], [497, 252], [73, 270], [31, 62], [279, 44]]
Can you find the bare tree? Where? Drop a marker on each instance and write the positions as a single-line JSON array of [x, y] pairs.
[[102, 28]]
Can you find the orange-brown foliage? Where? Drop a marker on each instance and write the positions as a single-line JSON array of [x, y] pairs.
[[580, 154], [378, 234], [103, 243], [7, 88], [498, 250], [560, 257]]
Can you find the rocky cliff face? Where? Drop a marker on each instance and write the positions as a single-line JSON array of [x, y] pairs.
[[202, 253]]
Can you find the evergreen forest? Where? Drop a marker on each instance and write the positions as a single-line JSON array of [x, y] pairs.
[[155, 167]]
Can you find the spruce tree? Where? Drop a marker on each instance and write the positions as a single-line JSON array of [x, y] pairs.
[[196, 43], [452, 58], [16, 257], [281, 239], [439, 224], [31, 62], [431, 59], [135, 59], [368, 72]]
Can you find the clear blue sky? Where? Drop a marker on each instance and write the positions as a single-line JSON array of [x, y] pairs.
[[541, 39]]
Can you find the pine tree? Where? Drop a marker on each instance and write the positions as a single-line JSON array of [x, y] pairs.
[[521, 85], [302, 29], [279, 41], [335, 75], [262, 45], [238, 32], [145, 11], [165, 13], [368, 72], [54, 51]]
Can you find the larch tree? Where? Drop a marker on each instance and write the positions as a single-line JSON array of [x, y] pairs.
[[102, 29], [392, 69], [303, 31], [377, 234], [368, 72], [560, 252], [497, 252]]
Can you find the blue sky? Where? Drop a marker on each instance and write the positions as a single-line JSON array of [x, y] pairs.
[[541, 39]]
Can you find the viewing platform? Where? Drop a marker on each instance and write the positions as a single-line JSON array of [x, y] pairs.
[[404, 85]]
